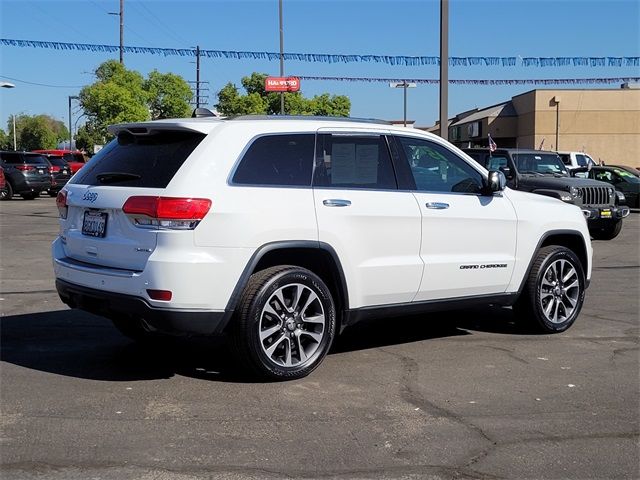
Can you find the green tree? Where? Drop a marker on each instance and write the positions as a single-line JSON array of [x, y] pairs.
[[35, 132], [120, 95], [89, 135], [6, 141], [169, 95], [258, 101]]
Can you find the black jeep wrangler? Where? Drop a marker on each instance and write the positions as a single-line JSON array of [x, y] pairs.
[[544, 173]]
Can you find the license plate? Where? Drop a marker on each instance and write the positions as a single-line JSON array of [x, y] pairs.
[[605, 213], [65, 172], [94, 224], [40, 171]]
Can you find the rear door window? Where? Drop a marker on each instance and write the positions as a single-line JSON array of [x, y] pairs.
[[354, 161], [284, 160], [12, 158], [148, 161]]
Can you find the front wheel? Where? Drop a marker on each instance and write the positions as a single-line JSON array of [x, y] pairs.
[[554, 291], [608, 232], [285, 324]]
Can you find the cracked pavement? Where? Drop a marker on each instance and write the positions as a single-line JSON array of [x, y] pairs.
[[453, 395]]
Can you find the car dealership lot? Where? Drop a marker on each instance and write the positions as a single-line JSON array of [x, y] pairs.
[[465, 394]]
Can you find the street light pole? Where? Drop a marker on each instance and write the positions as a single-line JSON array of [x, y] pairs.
[[281, 55], [14, 133], [444, 68], [404, 85], [71, 97]]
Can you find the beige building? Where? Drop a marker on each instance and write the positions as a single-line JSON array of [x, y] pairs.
[[605, 123]]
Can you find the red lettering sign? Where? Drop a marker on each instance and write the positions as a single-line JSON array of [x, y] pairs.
[[282, 84]]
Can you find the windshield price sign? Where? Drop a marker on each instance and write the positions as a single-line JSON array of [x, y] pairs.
[[282, 84]]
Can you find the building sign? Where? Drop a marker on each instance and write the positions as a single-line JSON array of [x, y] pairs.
[[282, 84]]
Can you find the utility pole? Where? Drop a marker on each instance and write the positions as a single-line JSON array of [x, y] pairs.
[[281, 55], [198, 97], [197, 76], [444, 68], [14, 133], [122, 32], [121, 14]]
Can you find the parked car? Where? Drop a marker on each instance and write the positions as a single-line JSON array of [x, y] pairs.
[[26, 174], [2, 180], [75, 158], [60, 173], [621, 179], [633, 171], [544, 173], [576, 159], [282, 231]]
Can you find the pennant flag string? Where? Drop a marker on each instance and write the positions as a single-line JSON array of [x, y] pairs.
[[336, 58], [434, 81]]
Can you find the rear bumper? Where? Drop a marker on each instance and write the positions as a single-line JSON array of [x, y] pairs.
[[117, 305]]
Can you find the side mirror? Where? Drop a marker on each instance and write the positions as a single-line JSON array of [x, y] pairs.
[[496, 182]]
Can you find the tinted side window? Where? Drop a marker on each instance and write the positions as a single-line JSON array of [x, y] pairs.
[[148, 161], [353, 161], [35, 160], [277, 160], [495, 162], [437, 169], [11, 157], [566, 159]]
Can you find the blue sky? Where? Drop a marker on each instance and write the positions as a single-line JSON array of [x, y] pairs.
[[524, 28]]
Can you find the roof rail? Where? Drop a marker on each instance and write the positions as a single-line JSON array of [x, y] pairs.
[[309, 117]]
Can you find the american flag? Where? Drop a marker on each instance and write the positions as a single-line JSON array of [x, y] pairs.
[[492, 145]]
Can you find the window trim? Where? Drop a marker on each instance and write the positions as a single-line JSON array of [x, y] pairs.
[[250, 143]]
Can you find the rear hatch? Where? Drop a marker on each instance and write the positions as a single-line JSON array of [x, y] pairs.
[[96, 229], [35, 170]]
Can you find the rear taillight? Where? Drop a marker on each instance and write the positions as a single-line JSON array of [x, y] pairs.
[[25, 168], [166, 212], [54, 169], [61, 203]]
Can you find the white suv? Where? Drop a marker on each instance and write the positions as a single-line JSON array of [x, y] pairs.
[[282, 231]]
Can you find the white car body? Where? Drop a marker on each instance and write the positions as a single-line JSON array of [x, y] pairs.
[[391, 248], [576, 160]]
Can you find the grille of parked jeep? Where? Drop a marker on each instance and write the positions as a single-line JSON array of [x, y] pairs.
[[594, 195]]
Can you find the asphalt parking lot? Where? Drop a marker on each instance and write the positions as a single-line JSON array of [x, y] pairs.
[[458, 395]]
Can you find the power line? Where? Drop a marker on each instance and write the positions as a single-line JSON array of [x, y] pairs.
[[42, 84], [139, 6]]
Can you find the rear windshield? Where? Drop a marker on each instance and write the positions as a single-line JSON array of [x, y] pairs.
[[74, 157], [148, 161], [57, 161], [36, 160]]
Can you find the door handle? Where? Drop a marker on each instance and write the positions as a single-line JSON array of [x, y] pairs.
[[336, 202], [437, 205]]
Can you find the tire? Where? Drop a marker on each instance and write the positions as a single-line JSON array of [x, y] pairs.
[[554, 291], [607, 233], [285, 323], [7, 192], [52, 194]]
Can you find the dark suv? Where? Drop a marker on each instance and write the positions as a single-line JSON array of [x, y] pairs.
[[27, 174], [60, 173], [544, 173]]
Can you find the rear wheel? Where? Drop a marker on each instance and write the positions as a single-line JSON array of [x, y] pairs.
[[608, 232], [554, 291], [7, 192], [285, 324]]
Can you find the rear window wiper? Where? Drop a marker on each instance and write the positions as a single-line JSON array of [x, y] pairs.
[[114, 177]]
